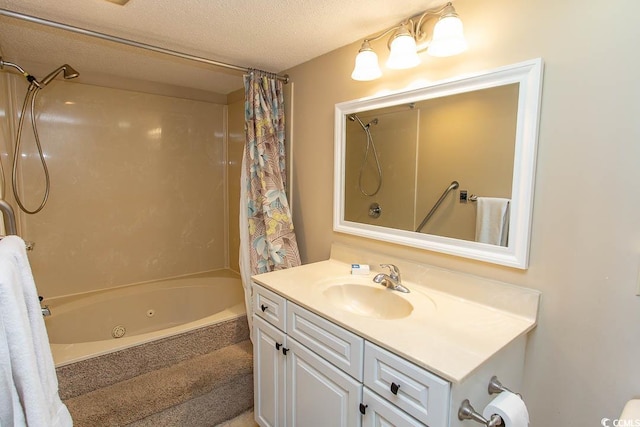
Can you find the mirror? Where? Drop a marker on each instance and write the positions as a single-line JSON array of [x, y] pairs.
[[448, 167]]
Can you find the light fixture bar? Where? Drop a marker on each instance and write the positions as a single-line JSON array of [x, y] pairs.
[[447, 40], [103, 36]]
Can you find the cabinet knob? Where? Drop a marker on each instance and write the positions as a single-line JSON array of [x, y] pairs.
[[263, 307], [284, 350], [363, 408], [394, 388]]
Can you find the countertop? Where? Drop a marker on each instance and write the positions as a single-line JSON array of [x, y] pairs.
[[448, 333]]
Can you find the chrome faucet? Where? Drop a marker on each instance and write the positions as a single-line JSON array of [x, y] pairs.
[[392, 280]]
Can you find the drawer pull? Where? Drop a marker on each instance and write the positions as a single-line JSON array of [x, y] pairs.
[[394, 388], [363, 408], [278, 345], [284, 350], [263, 308]]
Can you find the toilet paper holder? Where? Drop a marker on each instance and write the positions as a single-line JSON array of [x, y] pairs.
[[468, 412], [495, 386]]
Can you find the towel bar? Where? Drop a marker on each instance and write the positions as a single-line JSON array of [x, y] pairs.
[[9, 218]]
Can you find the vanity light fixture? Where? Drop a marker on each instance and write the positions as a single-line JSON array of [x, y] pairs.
[[408, 39]]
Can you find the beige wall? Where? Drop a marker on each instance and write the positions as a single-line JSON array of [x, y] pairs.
[[137, 186], [582, 360]]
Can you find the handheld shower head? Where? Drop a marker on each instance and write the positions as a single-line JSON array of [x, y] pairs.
[[69, 73]]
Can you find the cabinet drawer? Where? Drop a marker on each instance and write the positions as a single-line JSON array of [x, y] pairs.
[[333, 343], [413, 389], [380, 412], [269, 306]]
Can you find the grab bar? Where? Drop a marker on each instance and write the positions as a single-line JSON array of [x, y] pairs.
[[9, 218], [453, 186]]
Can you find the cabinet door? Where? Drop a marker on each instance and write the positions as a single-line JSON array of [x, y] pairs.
[[269, 374], [318, 393], [382, 413]]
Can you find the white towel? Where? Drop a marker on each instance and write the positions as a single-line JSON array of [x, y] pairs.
[[492, 221], [28, 373]]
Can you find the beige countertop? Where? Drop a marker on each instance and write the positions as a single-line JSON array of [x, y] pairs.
[[450, 333]]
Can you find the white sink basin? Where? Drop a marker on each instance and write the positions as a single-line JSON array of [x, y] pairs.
[[368, 301]]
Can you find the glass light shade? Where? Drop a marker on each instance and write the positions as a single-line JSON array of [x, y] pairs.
[[404, 52], [366, 67], [448, 37]]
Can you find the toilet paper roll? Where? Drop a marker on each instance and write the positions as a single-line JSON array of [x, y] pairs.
[[510, 407]]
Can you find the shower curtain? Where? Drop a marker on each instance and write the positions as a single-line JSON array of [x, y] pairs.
[[267, 238]]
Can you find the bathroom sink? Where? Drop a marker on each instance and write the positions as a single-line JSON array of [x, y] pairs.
[[368, 301]]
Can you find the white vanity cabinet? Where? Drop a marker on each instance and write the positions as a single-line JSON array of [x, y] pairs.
[[313, 372], [293, 385], [354, 360]]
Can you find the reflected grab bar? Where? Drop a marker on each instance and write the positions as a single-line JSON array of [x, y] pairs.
[[453, 186]]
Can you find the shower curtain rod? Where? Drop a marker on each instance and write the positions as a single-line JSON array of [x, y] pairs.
[[133, 43]]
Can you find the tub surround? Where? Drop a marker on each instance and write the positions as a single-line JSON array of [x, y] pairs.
[[102, 371], [203, 390], [201, 377], [458, 322]]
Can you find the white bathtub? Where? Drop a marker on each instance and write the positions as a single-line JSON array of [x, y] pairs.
[[84, 325]]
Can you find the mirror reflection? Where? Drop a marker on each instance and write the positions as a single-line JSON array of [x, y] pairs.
[[448, 167], [442, 166]]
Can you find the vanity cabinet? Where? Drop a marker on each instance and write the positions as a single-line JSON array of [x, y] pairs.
[[309, 371], [293, 385]]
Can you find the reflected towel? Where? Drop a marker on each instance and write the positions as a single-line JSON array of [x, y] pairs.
[[27, 373], [492, 221]]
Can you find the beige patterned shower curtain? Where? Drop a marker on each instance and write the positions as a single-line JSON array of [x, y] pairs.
[[267, 238]]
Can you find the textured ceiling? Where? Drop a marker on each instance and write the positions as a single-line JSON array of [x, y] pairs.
[[272, 35]]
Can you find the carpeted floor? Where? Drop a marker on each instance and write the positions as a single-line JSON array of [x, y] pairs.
[[202, 391]]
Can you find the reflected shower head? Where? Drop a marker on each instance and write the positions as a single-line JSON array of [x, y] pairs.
[[69, 73], [353, 117]]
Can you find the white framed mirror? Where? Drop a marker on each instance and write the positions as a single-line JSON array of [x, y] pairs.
[[449, 167]]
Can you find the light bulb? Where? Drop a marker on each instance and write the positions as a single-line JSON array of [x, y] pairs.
[[448, 37], [366, 67], [403, 52]]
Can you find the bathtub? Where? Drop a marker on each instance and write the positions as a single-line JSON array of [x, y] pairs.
[[84, 326]]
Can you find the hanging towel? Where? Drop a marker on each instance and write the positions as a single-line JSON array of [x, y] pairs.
[[27, 373], [492, 221]]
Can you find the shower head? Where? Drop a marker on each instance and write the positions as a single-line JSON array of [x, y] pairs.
[[69, 73]]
